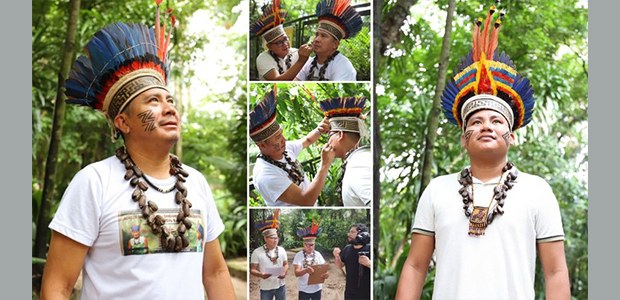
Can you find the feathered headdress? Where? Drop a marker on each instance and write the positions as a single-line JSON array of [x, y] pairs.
[[345, 114], [121, 61], [269, 226], [269, 25], [263, 123], [338, 18], [486, 79], [311, 232]]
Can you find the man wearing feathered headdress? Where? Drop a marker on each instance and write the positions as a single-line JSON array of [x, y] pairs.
[[279, 61], [124, 75], [305, 259], [487, 223], [348, 136], [270, 262], [337, 21], [278, 176]]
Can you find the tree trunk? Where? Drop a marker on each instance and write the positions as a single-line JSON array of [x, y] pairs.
[[432, 123], [376, 137], [394, 19], [40, 244]]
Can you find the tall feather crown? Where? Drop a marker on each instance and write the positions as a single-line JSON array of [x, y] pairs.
[[486, 79], [338, 18], [121, 61], [269, 25], [263, 123], [345, 114], [311, 232], [270, 225]]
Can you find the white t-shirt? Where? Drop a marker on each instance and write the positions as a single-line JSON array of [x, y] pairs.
[[271, 181], [501, 263], [266, 63], [339, 69], [357, 180], [97, 211], [259, 257], [303, 280]]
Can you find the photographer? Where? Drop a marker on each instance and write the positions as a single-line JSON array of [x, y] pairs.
[[355, 257]]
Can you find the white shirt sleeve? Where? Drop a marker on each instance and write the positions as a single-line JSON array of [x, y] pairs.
[[215, 226], [343, 69], [548, 220], [424, 220], [265, 63]]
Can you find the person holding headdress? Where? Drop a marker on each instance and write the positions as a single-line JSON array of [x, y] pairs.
[[278, 176], [279, 61], [124, 75], [305, 259], [487, 223], [337, 21], [269, 257], [347, 134]]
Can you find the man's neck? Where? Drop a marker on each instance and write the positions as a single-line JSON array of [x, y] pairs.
[[275, 157], [270, 248], [486, 171], [154, 161], [321, 58]]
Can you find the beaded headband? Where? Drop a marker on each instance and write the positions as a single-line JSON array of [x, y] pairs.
[[263, 123], [338, 18], [486, 79], [269, 25], [345, 114]]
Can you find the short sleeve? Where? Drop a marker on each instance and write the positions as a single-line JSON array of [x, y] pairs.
[[423, 218], [295, 147], [272, 183], [344, 71], [361, 182], [79, 211], [303, 73], [254, 259], [265, 63], [298, 260], [215, 226], [548, 220]]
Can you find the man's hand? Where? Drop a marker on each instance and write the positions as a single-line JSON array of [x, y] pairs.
[[323, 127], [364, 261], [336, 252], [304, 52], [282, 275], [327, 155], [309, 270], [265, 275]]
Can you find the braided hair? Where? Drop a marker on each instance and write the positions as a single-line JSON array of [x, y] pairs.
[[314, 63], [287, 61]]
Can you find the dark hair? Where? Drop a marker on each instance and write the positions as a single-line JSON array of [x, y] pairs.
[[360, 227]]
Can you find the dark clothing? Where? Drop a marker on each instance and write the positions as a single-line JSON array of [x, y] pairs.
[[358, 276], [309, 296]]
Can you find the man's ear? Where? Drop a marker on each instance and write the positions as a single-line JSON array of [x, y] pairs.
[[120, 122]]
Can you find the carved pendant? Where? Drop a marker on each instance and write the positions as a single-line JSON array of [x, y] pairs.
[[478, 221]]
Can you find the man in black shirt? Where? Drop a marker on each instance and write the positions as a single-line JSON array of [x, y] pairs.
[[355, 257]]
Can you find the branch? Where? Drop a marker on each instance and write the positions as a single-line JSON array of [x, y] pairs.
[[395, 18]]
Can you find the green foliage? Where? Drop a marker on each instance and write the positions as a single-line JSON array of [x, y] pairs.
[[334, 224], [298, 114], [548, 43]]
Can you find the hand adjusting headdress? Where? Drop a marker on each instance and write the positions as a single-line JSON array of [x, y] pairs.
[[121, 61], [269, 227], [338, 18], [486, 79], [345, 114], [269, 25], [311, 232], [263, 123]]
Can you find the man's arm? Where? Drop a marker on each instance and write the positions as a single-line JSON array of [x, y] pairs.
[[294, 195], [315, 134], [337, 261], [553, 262], [255, 272], [285, 265], [416, 266], [64, 262], [215, 276], [300, 271], [303, 52]]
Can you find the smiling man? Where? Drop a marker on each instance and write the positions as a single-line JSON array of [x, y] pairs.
[[337, 21], [278, 175], [143, 196], [487, 223], [279, 61]]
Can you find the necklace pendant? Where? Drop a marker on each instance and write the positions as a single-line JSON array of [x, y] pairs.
[[478, 221]]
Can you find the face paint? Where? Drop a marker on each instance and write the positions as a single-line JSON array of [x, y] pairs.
[[506, 137], [148, 120], [468, 136]]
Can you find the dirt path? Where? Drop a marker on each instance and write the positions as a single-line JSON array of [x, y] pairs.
[[333, 288]]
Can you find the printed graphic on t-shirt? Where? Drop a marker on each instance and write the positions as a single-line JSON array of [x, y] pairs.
[[137, 238]]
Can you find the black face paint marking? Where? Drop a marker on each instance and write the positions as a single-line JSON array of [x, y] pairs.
[[148, 120], [468, 136], [506, 137]]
